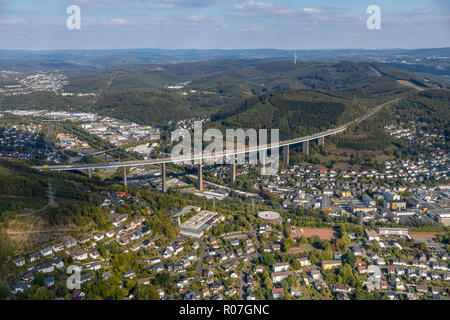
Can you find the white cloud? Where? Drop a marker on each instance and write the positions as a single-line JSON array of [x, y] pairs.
[[171, 4], [257, 6], [196, 18], [255, 28], [155, 6], [222, 27], [421, 11], [415, 12], [253, 5], [12, 21], [311, 11], [115, 21]]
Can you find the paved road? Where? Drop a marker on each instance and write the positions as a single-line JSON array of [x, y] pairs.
[[202, 256], [244, 270], [51, 129], [244, 273]]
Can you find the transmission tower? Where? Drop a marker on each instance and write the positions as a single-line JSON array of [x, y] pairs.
[[50, 195]]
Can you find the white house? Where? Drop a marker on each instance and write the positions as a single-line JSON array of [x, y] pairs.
[[80, 255], [46, 252], [280, 267]]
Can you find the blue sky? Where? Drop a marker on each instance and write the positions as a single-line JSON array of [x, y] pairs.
[[223, 24]]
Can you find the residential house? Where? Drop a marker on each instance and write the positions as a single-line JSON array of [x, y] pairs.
[[280, 276], [58, 247], [45, 268], [337, 287], [34, 256], [129, 274], [315, 274], [49, 282], [70, 243], [372, 235], [259, 269], [58, 263], [330, 264], [304, 262], [99, 237], [84, 240], [47, 252], [295, 292], [279, 267], [93, 253], [277, 293], [80, 255], [110, 233], [19, 261]]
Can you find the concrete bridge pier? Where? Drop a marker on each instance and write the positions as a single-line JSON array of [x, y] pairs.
[[233, 169], [125, 176], [305, 146], [163, 174], [200, 176], [262, 163], [286, 155], [90, 173], [321, 141]]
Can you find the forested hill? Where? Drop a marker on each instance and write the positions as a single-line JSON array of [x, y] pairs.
[[140, 93], [144, 105], [22, 187], [295, 113], [430, 107], [240, 78]]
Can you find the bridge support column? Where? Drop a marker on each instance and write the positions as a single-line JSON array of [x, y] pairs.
[[90, 173], [286, 155], [321, 141], [262, 163], [163, 174], [125, 176], [200, 176], [305, 146], [233, 169]]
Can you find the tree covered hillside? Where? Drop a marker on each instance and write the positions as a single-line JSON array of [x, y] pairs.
[[295, 113]]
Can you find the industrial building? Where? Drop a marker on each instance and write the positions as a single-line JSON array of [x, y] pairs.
[[198, 224]]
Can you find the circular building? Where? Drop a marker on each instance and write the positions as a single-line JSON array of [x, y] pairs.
[[270, 217]]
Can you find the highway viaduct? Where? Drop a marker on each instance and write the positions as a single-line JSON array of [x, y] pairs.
[[305, 141]]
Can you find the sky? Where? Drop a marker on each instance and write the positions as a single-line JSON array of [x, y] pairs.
[[224, 24]]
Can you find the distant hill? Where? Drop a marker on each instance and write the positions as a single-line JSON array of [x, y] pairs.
[[144, 105], [139, 93], [245, 77], [85, 60]]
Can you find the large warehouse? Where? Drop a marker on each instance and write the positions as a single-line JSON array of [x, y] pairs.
[[198, 224], [270, 217]]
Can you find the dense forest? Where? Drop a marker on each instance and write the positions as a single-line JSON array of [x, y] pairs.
[[138, 92], [22, 187], [365, 142], [295, 113]]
